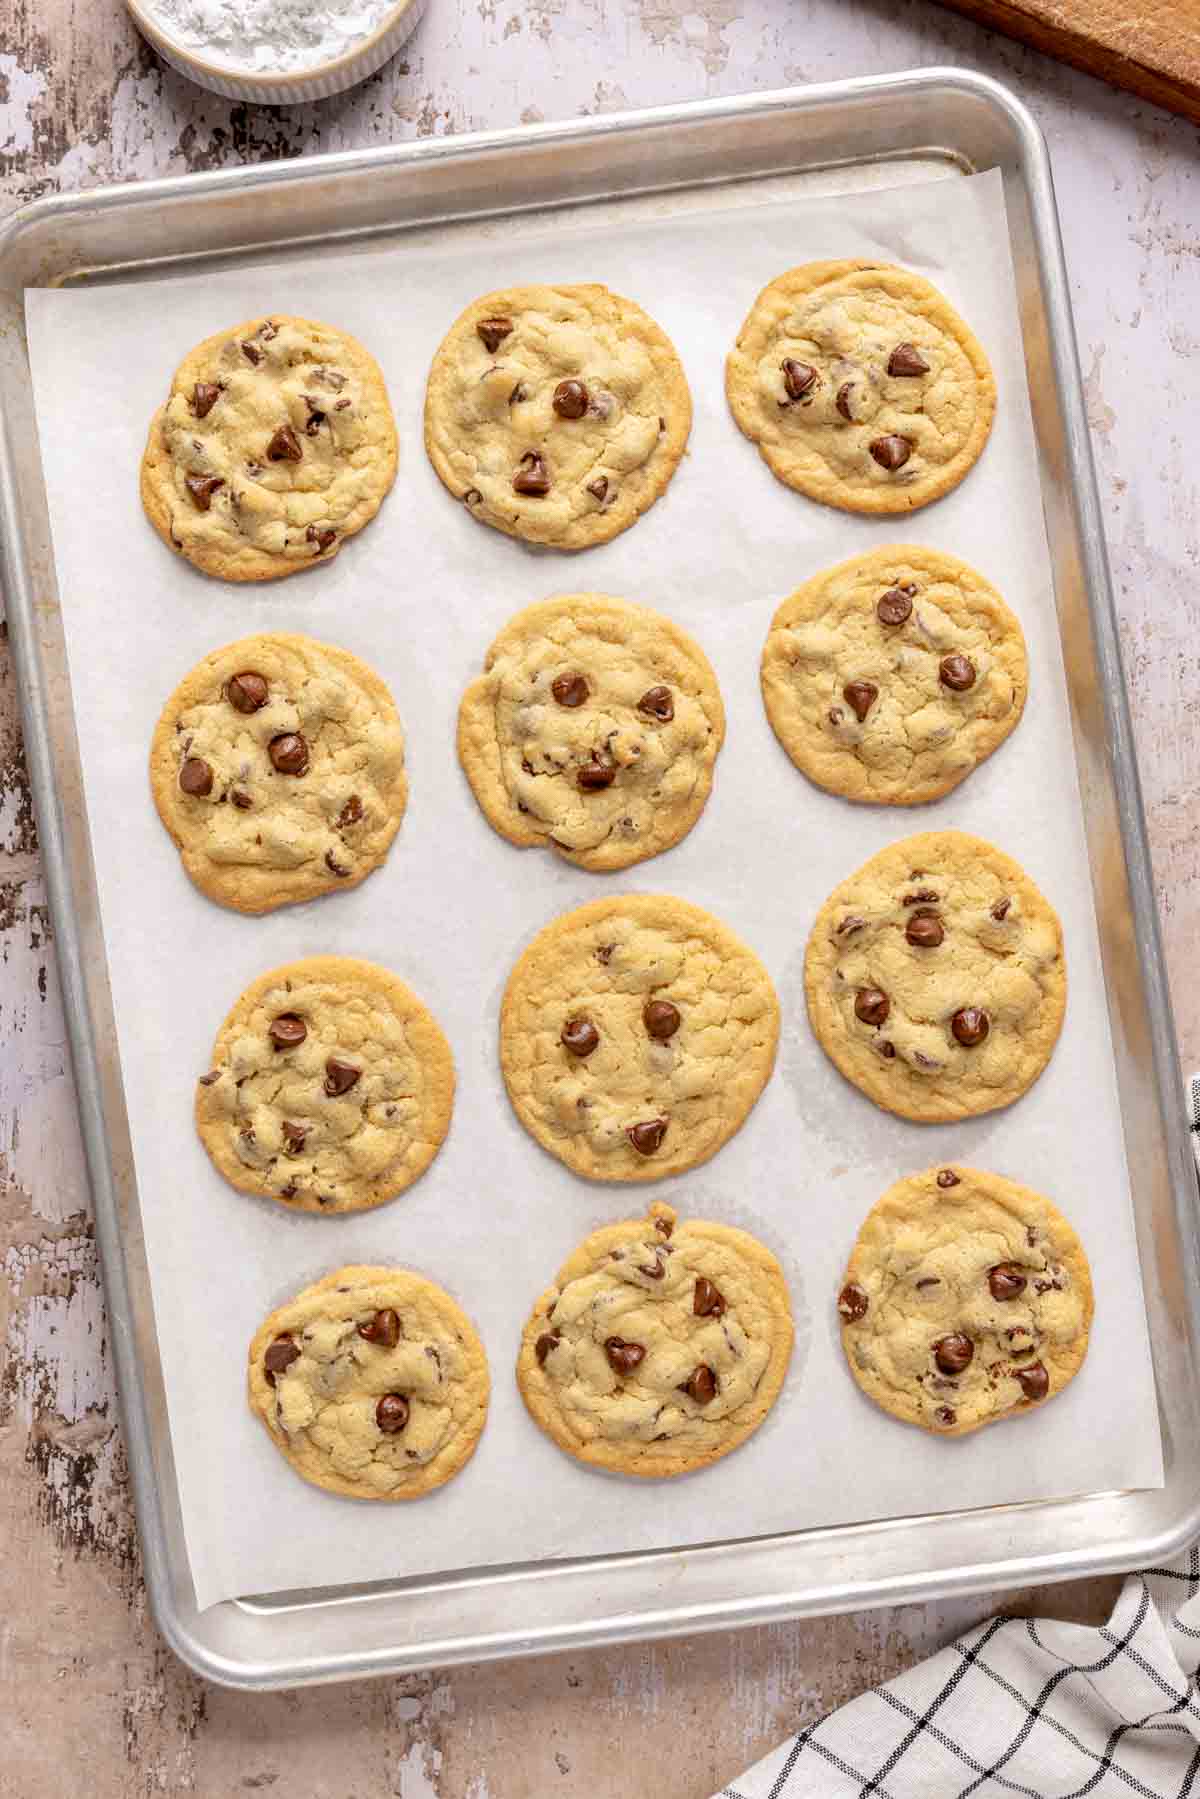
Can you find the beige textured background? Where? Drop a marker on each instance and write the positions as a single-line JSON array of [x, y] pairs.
[[91, 1700]]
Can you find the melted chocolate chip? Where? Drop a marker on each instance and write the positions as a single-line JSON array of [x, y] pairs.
[[891, 452], [533, 477], [294, 1136], [341, 869], [279, 1356], [860, 696], [493, 332], [600, 772], [623, 1357], [970, 1026], [202, 488], [1000, 910], [324, 537], [252, 353], [893, 607], [707, 1300], [570, 399], [472, 497], [351, 813], [957, 673], [872, 1006], [647, 1136], [205, 395], [579, 1036], [906, 359], [599, 488], [947, 1178], [284, 446], [1034, 1381], [799, 378], [886, 1050], [701, 1384], [548, 1341], [383, 1328], [1006, 1281], [207, 1080], [570, 689], [391, 1414], [842, 402], [288, 753], [657, 702], [288, 1031], [196, 777], [849, 925], [661, 1019], [246, 691], [241, 799], [340, 1076], [945, 1416], [953, 1353], [924, 930], [852, 1302]]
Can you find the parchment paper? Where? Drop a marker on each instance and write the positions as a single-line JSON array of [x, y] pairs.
[[420, 595]]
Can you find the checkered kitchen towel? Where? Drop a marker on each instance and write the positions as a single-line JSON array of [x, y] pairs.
[[1024, 1706]]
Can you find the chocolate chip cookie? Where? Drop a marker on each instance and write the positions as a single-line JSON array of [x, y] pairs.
[[967, 1299], [329, 1088], [935, 978], [861, 386], [556, 414], [660, 1347], [593, 729], [278, 768], [373, 1383], [890, 677], [275, 445], [635, 1036]]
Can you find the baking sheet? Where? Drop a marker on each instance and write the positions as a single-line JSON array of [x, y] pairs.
[[420, 595]]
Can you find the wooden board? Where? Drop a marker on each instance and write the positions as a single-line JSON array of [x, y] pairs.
[[1152, 48]]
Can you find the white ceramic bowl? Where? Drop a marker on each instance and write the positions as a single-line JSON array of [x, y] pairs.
[[284, 88]]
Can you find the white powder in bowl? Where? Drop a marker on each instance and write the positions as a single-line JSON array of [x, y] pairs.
[[276, 36]]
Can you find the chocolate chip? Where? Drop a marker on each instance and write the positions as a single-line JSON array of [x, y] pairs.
[[284, 446], [570, 399], [894, 607], [849, 925], [843, 400], [294, 1136], [799, 378], [196, 777], [928, 1280], [1006, 1281], [252, 353], [661, 1019], [351, 813], [206, 1080], [623, 1357], [953, 1353], [382, 1327], [323, 536], [315, 419], [579, 1036], [835, 715], [1000, 910], [246, 691], [599, 488], [340, 1076], [925, 897], [970, 1026], [701, 1384], [947, 1178], [852, 1302], [202, 488], [241, 799], [886, 1050], [600, 772], [872, 1006], [570, 689], [945, 1416], [860, 696], [288, 1031], [341, 869], [924, 930], [647, 1136], [533, 477], [520, 392], [656, 1270], [288, 753], [493, 332], [267, 330], [658, 702], [279, 1356], [707, 1300], [957, 673], [1034, 1381], [472, 497], [205, 395], [391, 1414], [548, 1341], [891, 452], [906, 359], [604, 953]]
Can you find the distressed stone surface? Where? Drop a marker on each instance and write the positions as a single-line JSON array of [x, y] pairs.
[[87, 1684]]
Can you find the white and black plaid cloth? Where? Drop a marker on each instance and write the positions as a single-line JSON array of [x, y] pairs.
[[1024, 1706]]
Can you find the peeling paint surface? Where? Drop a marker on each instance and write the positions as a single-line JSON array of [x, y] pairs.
[[87, 1682]]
